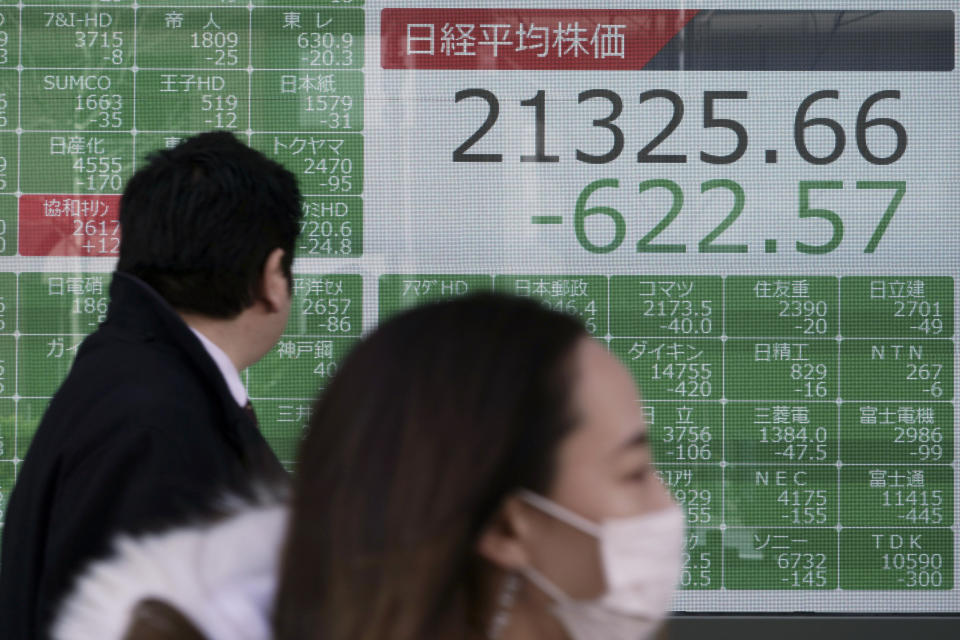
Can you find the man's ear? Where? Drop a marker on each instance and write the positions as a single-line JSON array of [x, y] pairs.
[[506, 538], [275, 288]]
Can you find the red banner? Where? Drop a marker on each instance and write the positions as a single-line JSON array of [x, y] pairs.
[[69, 225], [549, 39]]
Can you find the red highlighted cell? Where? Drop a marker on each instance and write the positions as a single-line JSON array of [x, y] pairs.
[[542, 39], [69, 225]]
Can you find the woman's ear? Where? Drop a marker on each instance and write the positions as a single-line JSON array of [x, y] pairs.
[[506, 538]]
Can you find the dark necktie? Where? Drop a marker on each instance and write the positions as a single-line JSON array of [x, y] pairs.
[[248, 409], [264, 463]]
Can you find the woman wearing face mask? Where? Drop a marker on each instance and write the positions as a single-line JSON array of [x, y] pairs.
[[478, 469]]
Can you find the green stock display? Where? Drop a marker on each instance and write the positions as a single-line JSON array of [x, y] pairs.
[[783, 290]]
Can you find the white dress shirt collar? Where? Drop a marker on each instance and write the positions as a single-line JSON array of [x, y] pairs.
[[227, 369]]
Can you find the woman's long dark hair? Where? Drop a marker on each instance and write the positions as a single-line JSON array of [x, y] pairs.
[[430, 423]]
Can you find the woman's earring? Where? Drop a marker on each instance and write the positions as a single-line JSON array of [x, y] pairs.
[[505, 601]]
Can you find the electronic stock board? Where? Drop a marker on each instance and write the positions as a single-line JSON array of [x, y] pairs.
[[755, 210]]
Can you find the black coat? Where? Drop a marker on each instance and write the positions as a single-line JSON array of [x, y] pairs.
[[143, 433]]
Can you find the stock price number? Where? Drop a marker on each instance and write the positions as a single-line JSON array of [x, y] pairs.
[[697, 562], [585, 210], [802, 125], [804, 570]]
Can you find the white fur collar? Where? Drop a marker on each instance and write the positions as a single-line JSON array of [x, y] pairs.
[[221, 576]]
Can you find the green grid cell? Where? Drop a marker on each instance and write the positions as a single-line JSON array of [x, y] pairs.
[[282, 425], [397, 292], [896, 559], [679, 369], [148, 142], [331, 228], [307, 101], [9, 159], [324, 164], [29, 413], [780, 432], [304, 38], [9, 37], [91, 36], [340, 4], [781, 306], [897, 307], [8, 366], [179, 3], [43, 362], [63, 303], [77, 3], [897, 432], [9, 99], [583, 297], [212, 38], [8, 300], [297, 367], [8, 474], [784, 496], [174, 100], [326, 305], [789, 369], [656, 306], [9, 224], [701, 568], [698, 489], [68, 100], [906, 369], [682, 433], [780, 559], [880, 495], [8, 429], [82, 163]]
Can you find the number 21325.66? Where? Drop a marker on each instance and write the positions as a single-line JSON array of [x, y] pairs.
[[804, 122]]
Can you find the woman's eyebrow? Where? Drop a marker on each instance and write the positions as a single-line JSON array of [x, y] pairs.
[[639, 439]]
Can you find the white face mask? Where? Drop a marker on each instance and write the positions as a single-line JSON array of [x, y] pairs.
[[641, 559]]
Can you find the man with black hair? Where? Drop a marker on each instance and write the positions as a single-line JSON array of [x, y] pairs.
[[153, 423]]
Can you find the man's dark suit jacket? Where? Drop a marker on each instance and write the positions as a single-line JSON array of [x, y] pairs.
[[143, 433]]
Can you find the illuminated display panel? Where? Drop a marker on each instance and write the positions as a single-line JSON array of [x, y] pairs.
[[753, 209]]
